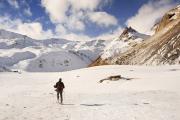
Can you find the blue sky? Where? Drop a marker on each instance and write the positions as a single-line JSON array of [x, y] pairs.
[[80, 19]]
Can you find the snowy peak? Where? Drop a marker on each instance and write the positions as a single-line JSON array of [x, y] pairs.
[[131, 34], [127, 30], [127, 33]]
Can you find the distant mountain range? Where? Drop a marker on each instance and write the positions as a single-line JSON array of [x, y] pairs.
[[20, 52]]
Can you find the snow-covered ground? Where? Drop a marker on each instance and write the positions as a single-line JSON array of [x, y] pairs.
[[153, 93]]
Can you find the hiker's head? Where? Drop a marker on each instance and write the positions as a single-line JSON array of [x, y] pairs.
[[60, 79]]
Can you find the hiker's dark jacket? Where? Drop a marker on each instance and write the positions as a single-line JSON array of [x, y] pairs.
[[59, 86]]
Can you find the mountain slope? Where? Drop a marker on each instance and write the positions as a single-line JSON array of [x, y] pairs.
[[127, 40], [161, 48]]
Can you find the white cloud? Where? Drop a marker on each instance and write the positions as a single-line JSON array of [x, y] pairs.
[[13, 3], [68, 16], [56, 9], [28, 12], [148, 15], [73, 14], [84, 4], [78, 14], [75, 37], [75, 23], [111, 34], [33, 29], [103, 19], [60, 29], [7, 23]]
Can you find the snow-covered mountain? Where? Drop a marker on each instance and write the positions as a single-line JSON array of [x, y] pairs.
[[161, 48], [52, 55], [22, 52], [128, 39]]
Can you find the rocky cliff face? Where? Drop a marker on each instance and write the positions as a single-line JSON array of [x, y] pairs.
[[161, 48]]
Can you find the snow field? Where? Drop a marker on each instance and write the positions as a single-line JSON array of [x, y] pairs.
[[153, 94]]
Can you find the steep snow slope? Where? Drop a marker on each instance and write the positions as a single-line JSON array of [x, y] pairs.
[[153, 93]]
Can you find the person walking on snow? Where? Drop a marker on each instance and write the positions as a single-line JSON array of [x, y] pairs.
[[59, 89]]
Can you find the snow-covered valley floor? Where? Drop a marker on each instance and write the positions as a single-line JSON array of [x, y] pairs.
[[153, 93]]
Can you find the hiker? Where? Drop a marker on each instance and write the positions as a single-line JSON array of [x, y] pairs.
[[59, 89]]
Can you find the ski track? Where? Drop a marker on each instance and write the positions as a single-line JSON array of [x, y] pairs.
[[31, 96]]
